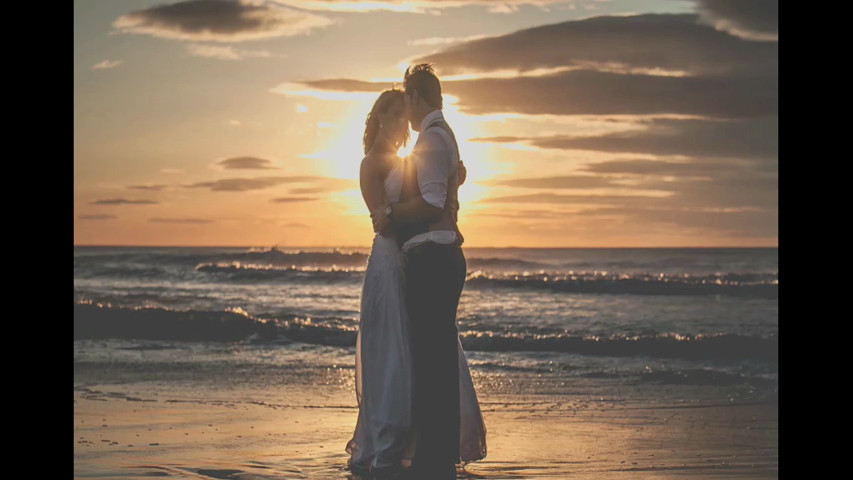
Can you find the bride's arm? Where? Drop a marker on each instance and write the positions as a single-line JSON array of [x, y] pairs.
[[372, 183]]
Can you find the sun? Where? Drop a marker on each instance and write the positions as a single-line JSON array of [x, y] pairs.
[[343, 150]]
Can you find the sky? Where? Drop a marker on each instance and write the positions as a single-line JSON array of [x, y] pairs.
[[583, 123]]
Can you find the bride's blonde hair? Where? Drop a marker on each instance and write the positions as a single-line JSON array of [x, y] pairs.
[[371, 125]]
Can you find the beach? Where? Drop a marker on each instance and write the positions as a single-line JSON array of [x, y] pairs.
[[238, 363], [528, 437], [178, 427]]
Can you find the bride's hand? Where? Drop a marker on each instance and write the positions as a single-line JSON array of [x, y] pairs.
[[463, 172]]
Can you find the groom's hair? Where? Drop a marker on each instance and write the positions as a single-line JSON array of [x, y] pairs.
[[421, 78]]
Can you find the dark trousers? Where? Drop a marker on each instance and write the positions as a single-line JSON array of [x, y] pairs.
[[435, 275]]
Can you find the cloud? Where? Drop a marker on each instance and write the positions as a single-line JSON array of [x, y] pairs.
[[247, 184], [442, 40], [601, 93], [246, 163], [154, 188], [667, 42], [555, 198], [701, 185], [752, 19], [293, 199], [310, 184], [96, 217], [652, 64], [523, 214], [702, 119], [180, 220], [751, 139], [732, 222], [583, 92], [302, 89], [658, 167], [106, 64], [739, 202], [344, 85], [226, 52], [739, 189], [308, 190], [571, 181], [220, 21], [503, 8], [717, 197], [123, 201], [413, 6]]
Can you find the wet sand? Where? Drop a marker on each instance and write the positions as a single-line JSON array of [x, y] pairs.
[[142, 434]]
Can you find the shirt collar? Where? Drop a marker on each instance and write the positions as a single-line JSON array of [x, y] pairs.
[[431, 117]]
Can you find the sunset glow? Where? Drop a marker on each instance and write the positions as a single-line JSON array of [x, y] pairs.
[[243, 125]]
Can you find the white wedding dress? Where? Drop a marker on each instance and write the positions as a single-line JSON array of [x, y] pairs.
[[383, 368]]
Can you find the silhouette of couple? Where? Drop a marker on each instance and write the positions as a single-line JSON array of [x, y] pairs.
[[418, 412]]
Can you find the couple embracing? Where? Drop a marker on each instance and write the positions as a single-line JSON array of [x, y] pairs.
[[418, 412]]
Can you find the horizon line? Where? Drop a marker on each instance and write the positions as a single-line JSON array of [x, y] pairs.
[[368, 246]]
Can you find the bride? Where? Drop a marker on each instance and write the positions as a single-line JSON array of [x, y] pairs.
[[383, 442]]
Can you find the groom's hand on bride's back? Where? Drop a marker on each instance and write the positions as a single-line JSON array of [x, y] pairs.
[[389, 231], [381, 223], [376, 218], [463, 172]]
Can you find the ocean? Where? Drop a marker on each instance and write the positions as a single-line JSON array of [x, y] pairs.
[[651, 325]]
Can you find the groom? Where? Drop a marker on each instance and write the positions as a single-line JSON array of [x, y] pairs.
[[435, 268]]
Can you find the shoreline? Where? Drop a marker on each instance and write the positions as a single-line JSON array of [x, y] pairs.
[[175, 434]]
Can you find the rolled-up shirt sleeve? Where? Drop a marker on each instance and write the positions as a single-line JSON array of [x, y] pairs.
[[433, 163]]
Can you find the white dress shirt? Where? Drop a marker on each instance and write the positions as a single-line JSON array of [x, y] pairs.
[[436, 161]]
